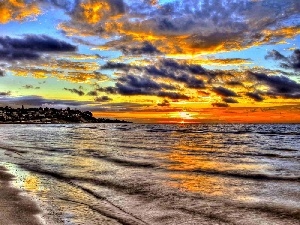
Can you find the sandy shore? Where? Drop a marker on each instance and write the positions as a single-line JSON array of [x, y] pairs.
[[15, 209]]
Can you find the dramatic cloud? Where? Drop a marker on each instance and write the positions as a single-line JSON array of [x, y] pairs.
[[255, 96], [186, 74], [113, 65], [75, 91], [280, 86], [188, 27], [234, 83], [177, 27], [4, 94], [137, 85], [18, 10], [224, 92], [130, 85], [230, 100], [30, 47], [291, 62], [219, 104], [103, 99], [144, 48], [34, 72], [92, 93], [275, 55]]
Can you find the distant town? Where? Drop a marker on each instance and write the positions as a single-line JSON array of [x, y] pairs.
[[50, 115]]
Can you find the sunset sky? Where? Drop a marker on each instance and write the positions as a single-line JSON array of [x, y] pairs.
[[154, 60]]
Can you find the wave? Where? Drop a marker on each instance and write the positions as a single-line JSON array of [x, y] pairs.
[[123, 162], [252, 176], [267, 155], [284, 149], [276, 133], [13, 150], [109, 209]]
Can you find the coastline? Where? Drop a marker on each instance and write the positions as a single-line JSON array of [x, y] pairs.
[[16, 209]]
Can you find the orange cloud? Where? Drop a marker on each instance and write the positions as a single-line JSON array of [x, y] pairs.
[[13, 10], [71, 66], [94, 11], [35, 72]]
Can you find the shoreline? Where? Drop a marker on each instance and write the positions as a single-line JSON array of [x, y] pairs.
[[16, 209]]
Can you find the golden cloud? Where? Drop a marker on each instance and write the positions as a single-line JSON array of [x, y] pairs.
[[13, 10], [82, 77], [94, 11], [35, 72], [70, 65]]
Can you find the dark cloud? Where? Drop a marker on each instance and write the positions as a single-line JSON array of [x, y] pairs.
[[234, 83], [290, 62], [165, 102], [103, 99], [138, 85], [194, 26], [230, 100], [144, 83], [5, 93], [108, 90], [168, 68], [145, 48], [2, 73], [92, 93], [255, 96], [14, 54], [30, 47], [293, 61], [183, 73], [173, 95], [119, 66], [39, 43], [219, 104], [174, 65], [224, 92], [278, 85], [75, 91], [275, 55], [141, 85]]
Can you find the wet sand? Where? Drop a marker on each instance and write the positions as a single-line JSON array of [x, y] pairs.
[[15, 209]]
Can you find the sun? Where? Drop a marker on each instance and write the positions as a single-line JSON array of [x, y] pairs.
[[182, 116], [185, 115]]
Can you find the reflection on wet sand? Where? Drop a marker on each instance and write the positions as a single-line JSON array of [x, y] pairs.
[[31, 183]]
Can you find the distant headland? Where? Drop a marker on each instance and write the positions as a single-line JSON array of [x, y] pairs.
[[50, 115]]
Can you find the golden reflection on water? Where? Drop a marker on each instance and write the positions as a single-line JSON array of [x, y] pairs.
[[199, 183], [181, 160], [191, 164]]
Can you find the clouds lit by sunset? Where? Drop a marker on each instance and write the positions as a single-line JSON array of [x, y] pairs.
[[154, 61]]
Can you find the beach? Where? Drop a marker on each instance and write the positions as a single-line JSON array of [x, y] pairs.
[[16, 209], [135, 174]]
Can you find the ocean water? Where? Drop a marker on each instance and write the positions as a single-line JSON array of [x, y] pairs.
[[157, 174]]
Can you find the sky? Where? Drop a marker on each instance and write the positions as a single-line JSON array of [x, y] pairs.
[[154, 61]]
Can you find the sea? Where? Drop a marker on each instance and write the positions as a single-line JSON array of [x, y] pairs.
[[206, 174]]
